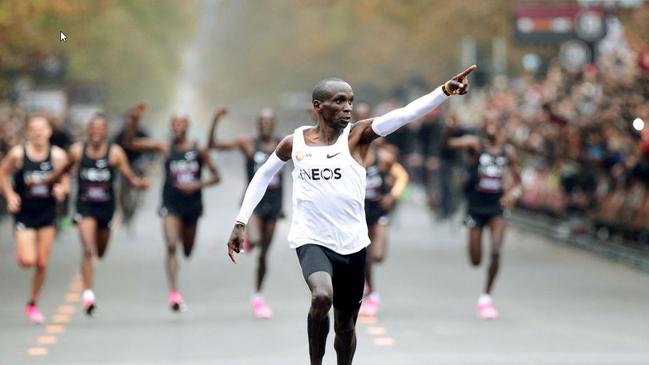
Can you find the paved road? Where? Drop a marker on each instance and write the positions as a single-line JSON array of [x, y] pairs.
[[558, 305]]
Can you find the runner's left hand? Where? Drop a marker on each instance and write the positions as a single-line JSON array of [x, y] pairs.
[[143, 184]]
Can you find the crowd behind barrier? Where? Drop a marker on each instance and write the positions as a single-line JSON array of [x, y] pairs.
[[580, 136]]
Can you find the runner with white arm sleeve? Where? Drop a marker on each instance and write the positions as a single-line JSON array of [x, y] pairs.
[[328, 227]]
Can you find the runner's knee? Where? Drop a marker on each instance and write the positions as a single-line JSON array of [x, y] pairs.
[[41, 264], [171, 250], [344, 327], [87, 253], [25, 262], [321, 300], [495, 257]]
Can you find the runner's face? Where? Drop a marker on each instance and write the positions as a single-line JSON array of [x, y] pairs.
[[97, 131], [336, 109], [386, 159], [266, 126], [491, 129], [179, 127], [38, 131]]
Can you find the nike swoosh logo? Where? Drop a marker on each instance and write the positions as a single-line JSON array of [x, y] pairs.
[[332, 156]]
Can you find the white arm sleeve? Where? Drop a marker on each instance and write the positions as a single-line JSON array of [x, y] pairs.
[[257, 187], [397, 118]]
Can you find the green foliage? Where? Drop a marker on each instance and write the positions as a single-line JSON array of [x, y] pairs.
[[134, 47]]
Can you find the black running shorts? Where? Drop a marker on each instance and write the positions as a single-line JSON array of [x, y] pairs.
[[189, 216], [347, 272], [44, 217], [101, 212], [478, 218], [375, 214], [270, 207]]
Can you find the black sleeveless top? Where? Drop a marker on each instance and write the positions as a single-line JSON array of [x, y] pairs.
[[259, 158], [377, 182], [486, 178], [33, 198], [96, 178], [182, 167]]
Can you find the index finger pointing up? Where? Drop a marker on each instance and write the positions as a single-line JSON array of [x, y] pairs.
[[466, 72]]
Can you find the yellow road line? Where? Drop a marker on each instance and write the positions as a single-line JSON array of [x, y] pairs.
[[36, 351], [47, 340]]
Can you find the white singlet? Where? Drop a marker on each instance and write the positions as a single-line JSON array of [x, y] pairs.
[[328, 196]]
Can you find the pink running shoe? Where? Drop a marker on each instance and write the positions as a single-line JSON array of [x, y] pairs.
[[370, 306], [34, 314], [261, 309], [176, 302], [88, 301], [486, 310]]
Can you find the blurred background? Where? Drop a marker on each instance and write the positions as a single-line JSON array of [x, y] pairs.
[[570, 78]]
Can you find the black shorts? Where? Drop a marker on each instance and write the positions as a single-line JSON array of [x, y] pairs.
[[44, 217], [375, 214], [101, 212], [189, 216], [270, 208], [347, 272], [478, 218]]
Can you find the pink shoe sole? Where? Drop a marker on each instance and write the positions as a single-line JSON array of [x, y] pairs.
[[487, 311]]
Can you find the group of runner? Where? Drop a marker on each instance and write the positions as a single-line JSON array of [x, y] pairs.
[[345, 182]]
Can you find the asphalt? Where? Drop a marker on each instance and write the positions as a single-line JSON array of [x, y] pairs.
[[558, 305]]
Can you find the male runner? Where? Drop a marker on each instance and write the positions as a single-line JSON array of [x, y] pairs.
[[182, 199], [386, 181], [256, 151], [95, 162], [490, 159], [328, 226], [32, 203]]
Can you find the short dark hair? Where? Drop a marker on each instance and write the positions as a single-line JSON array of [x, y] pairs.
[[320, 90], [99, 115]]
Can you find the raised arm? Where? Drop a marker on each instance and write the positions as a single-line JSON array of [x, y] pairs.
[[8, 167], [132, 142], [467, 142], [364, 132], [256, 190], [212, 142], [119, 160]]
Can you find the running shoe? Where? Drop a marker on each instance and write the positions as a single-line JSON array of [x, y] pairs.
[[370, 306], [34, 314], [176, 302], [88, 300], [260, 308], [486, 309]]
